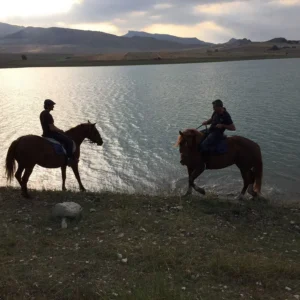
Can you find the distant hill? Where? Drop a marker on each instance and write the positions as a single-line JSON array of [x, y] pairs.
[[238, 42], [282, 40], [6, 29], [167, 37], [67, 40]]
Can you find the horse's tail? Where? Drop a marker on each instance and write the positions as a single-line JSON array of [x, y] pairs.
[[10, 165], [258, 172]]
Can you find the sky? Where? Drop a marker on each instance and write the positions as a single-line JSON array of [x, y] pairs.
[[210, 20]]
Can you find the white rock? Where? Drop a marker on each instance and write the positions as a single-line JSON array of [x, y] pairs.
[[92, 210], [124, 260], [119, 255], [288, 288], [297, 296], [67, 209]]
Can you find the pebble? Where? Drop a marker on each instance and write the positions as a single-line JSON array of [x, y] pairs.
[[288, 288], [92, 210], [124, 260]]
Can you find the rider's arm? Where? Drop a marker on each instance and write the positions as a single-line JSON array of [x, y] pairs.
[[230, 127], [207, 122], [52, 127]]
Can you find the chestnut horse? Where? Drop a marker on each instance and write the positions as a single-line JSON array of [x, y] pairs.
[[242, 152], [31, 150]]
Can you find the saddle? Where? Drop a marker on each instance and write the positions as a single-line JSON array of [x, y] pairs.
[[58, 147]]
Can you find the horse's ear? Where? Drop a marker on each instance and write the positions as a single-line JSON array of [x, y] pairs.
[[94, 124], [89, 122], [180, 132]]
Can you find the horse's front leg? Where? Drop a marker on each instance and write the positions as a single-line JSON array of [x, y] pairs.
[[190, 188], [63, 175], [196, 172], [76, 173]]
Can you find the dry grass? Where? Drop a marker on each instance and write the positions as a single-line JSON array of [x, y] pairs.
[[196, 249], [204, 54]]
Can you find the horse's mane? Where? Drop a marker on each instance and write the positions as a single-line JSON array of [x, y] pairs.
[[190, 132], [75, 128]]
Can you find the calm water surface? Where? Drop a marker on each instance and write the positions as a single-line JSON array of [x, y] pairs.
[[139, 110]]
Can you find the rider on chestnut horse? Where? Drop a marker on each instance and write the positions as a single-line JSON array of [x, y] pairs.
[[51, 131], [219, 121]]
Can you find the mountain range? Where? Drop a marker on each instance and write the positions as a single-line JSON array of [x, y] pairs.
[[17, 39]]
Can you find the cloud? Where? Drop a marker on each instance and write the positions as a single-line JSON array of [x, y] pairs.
[[209, 20]]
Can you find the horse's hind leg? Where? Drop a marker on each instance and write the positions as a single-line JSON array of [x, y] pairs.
[[246, 178], [24, 181], [251, 183], [18, 174]]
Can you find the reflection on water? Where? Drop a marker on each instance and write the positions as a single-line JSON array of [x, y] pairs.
[[139, 110]]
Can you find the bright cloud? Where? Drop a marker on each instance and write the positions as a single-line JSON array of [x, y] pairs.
[[163, 6], [207, 31], [288, 2], [224, 8], [104, 27], [34, 8]]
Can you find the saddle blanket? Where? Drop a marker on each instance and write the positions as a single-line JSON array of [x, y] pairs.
[[58, 147]]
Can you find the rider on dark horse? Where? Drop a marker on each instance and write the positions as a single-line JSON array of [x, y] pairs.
[[51, 131], [219, 121]]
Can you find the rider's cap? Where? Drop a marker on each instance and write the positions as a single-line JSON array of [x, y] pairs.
[[218, 103], [48, 102]]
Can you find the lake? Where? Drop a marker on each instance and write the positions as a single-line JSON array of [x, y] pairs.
[[139, 110]]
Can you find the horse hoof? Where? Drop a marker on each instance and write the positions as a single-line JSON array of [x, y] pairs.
[[240, 197], [260, 197], [188, 193], [25, 195], [251, 191], [199, 190]]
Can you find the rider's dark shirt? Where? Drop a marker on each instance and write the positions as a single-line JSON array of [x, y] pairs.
[[224, 118], [46, 119]]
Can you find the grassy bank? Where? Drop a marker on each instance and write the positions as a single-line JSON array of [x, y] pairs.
[[56, 60], [197, 248]]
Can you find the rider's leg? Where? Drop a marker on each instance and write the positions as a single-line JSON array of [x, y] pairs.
[[66, 141], [211, 140]]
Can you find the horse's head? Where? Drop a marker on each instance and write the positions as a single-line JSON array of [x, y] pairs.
[[188, 142], [93, 134]]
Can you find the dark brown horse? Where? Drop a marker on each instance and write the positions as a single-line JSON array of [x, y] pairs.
[[242, 152], [31, 150]]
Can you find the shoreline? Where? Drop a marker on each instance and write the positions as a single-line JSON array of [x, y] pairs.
[[95, 63]]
